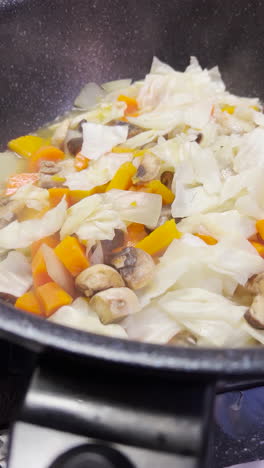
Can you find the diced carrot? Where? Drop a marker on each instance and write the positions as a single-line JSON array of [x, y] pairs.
[[39, 269], [45, 153], [27, 145], [135, 233], [52, 241], [122, 179], [160, 238], [18, 180], [56, 194], [156, 186], [260, 227], [259, 247], [71, 254], [131, 104], [51, 297], [207, 239], [80, 162], [29, 303]]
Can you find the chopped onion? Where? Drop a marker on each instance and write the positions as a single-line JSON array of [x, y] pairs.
[[89, 96], [57, 271]]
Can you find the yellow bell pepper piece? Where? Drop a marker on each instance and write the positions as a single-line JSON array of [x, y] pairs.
[[156, 186], [122, 179], [260, 227], [259, 247], [228, 108], [27, 145], [160, 238], [122, 149], [207, 239]]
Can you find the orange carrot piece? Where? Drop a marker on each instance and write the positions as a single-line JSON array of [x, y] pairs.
[[131, 104], [56, 194], [71, 254], [259, 247], [52, 241], [39, 269], [45, 153], [29, 303], [18, 180], [135, 233], [260, 227], [80, 162], [207, 239], [51, 297]]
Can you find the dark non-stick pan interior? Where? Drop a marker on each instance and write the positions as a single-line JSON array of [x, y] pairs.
[[50, 49]]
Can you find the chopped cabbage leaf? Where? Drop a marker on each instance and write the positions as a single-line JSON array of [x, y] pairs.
[[33, 196], [136, 207], [219, 225], [99, 172], [92, 219], [21, 234], [100, 139], [218, 268], [208, 315], [102, 114], [15, 274], [151, 325], [81, 316]]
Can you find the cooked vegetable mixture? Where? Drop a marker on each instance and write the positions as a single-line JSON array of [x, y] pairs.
[[140, 214]]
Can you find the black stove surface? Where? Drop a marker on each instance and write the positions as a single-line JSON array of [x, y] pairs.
[[239, 428]]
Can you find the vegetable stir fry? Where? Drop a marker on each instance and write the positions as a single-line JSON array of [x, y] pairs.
[[140, 214]]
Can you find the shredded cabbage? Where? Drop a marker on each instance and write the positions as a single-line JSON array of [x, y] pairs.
[[33, 196]]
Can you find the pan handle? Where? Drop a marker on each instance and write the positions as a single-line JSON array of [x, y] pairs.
[[168, 414]]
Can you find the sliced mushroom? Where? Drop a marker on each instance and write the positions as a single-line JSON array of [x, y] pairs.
[[109, 245], [183, 338], [255, 315], [49, 167], [98, 278], [166, 178], [148, 168], [199, 138], [114, 304], [75, 145], [255, 284], [135, 266]]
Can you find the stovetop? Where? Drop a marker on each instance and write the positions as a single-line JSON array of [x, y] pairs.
[[239, 431]]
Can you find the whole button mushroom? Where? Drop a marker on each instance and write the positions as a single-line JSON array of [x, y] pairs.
[[98, 278], [135, 266], [255, 285], [114, 304], [255, 315]]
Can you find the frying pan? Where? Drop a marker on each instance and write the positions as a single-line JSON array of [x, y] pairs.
[[48, 51]]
